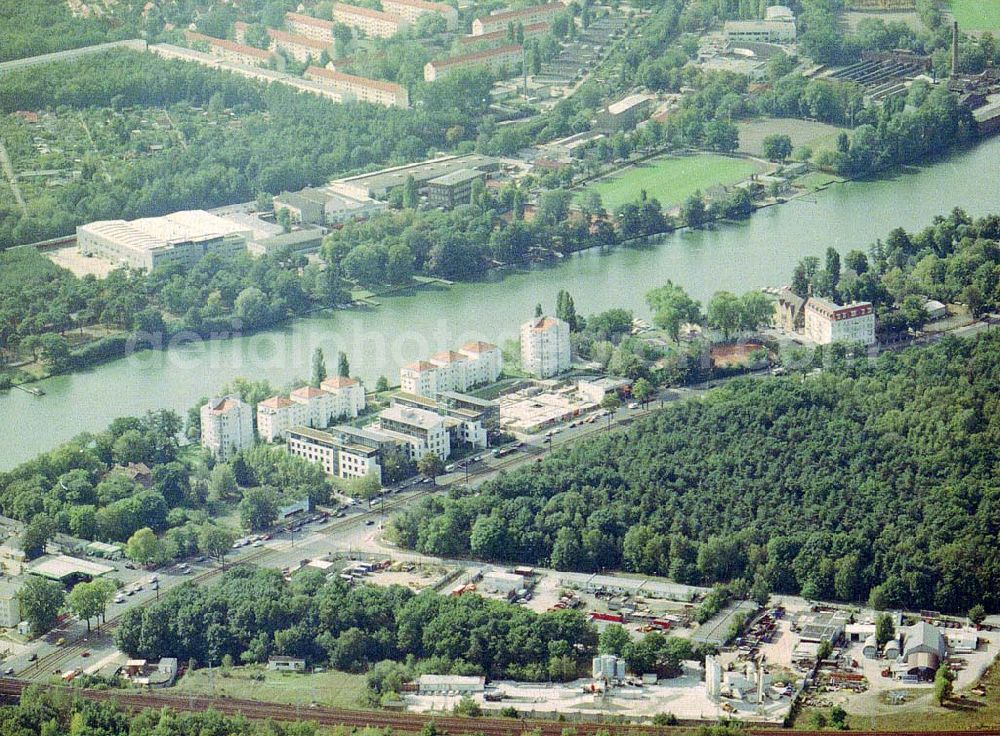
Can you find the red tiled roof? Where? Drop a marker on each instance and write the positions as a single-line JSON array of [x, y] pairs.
[[479, 347], [511, 15], [465, 58], [230, 45], [532, 29], [420, 366], [436, 7], [338, 382], [294, 38], [351, 79], [309, 20], [367, 12], [449, 356], [277, 402], [307, 392]]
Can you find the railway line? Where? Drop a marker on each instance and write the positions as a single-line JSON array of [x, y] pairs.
[[11, 689]]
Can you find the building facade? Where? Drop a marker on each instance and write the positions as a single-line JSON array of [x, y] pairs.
[[226, 426], [759, 31], [410, 10], [229, 51], [373, 23], [453, 189], [500, 38], [422, 431], [361, 89], [275, 416], [545, 347], [503, 57], [526, 16], [344, 452], [826, 322], [300, 48], [314, 28], [476, 363], [348, 396]]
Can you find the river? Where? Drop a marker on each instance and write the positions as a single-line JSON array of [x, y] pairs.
[[739, 257]]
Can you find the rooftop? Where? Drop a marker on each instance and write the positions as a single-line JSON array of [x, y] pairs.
[[475, 56], [542, 324], [224, 405], [449, 356], [367, 12], [308, 392], [419, 366], [336, 382], [63, 566], [478, 346], [513, 15], [626, 104], [414, 417], [309, 20], [352, 79], [222, 43], [530, 29], [457, 177], [276, 402], [295, 38], [151, 233]]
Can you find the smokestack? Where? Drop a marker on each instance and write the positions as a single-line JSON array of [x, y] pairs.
[[954, 48]]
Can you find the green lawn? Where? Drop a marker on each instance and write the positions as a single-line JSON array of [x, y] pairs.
[[977, 15], [670, 179], [334, 689]]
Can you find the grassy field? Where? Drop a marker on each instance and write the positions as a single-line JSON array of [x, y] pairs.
[[818, 136], [670, 179], [334, 689], [977, 15]]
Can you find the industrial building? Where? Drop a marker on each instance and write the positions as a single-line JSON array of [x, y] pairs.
[[759, 31], [826, 322], [545, 347], [324, 206], [450, 190], [378, 184], [180, 237], [226, 426], [495, 60], [525, 16], [626, 113], [450, 684]]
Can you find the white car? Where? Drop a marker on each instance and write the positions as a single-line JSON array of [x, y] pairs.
[[633, 405]]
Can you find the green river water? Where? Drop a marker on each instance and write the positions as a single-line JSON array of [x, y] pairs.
[[759, 252]]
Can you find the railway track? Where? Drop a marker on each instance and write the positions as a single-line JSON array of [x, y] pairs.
[[11, 689]]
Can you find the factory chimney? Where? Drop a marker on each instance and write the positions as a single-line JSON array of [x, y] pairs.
[[954, 49]]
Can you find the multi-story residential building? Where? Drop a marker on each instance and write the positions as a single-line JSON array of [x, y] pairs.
[[476, 363], [10, 603], [374, 23], [317, 406], [826, 322], [495, 60], [525, 16], [423, 431], [361, 89], [410, 10], [226, 426], [545, 347], [300, 48], [344, 452], [466, 418], [314, 28], [485, 363], [180, 237], [230, 51], [347, 396], [276, 415], [501, 38]]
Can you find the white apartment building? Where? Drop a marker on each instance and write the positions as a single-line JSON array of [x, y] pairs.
[[422, 431], [300, 48], [826, 322], [226, 426], [410, 10], [348, 396], [343, 452], [314, 28], [360, 89], [545, 347], [525, 16], [275, 416], [502, 57], [485, 362], [317, 406], [10, 607], [474, 364], [373, 23]]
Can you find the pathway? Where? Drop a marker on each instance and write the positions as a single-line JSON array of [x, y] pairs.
[[8, 170]]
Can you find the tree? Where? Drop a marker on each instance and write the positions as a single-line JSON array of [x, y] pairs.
[[725, 312], [825, 650], [430, 466], [215, 541], [366, 487], [977, 613], [343, 366], [41, 600], [85, 601], [381, 385], [756, 311], [884, 629], [221, 483], [37, 533], [411, 196], [143, 547], [777, 147], [693, 211], [642, 390], [566, 310], [833, 268], [944, 684], [318, 367], [613, 640], [553, 206], [672, 307], [251, 307], [838, 718], [259, 508]]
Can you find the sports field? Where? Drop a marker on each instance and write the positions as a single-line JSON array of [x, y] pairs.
[[977, 15], [670, 179]]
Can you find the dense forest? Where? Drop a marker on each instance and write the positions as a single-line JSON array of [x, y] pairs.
[[868, 482]]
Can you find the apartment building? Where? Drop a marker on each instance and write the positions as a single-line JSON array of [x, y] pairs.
[[525, 16], [421, 430], [476, 363], [344, 452], [300, 48], [275, 416], [501, 38], [826, 322], [467, 418], [305, 25], [361, 89], [375, 23], [230, 51], [410, 10], [317, 408], [226, 426], [495, 60], [545, 347], [347, 394]]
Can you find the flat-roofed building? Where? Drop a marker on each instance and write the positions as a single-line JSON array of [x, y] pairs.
[[347, 395], [378, 184], [423, 431], [374, 23], [826, 322], [276, 415], [229, 50], [500, 38], [317, 29], [300, 240], [759, 31], [300, 48], [453, 189], [10, 605], [180, 237], [410, 10], [344, 452], [626, 113], [525, 16], [466, 418], [323, 206], [545, 347], [226, 426], [361, 89], [495, 60]]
